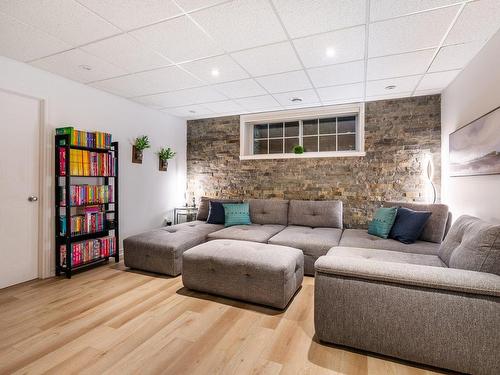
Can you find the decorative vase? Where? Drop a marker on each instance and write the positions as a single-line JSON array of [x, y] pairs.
[[163, 165], [136, 155]]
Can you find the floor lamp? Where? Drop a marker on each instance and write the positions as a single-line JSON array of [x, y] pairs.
[[430, 172]]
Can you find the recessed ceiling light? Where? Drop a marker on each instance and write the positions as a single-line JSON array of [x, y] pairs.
[[330, 52], [85, 67], [390, 87], [295, 100], [215, 72]]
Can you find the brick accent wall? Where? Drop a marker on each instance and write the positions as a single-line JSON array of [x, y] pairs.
[[400, 136]]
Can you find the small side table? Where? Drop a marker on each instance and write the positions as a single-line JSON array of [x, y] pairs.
[[188, 212]]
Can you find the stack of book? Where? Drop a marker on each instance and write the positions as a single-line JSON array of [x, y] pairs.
[[86, 251], [87, 163], [90, 221], [86, 195], [86, 139]]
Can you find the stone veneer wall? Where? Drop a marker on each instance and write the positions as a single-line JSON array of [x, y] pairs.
[[400, 136]]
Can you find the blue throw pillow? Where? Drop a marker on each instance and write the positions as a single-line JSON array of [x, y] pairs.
[[215, 213], [382, 222], [236, 214], [409, 225]]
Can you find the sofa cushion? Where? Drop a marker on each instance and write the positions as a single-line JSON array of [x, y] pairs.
[[408, 225], [472, 244], [435, 228], [253, 232], [268, 211], [312, 241], [236, 214], [382, 221], [216, 213], [387, 256], [327, 214], [204, 207], [361, 238]]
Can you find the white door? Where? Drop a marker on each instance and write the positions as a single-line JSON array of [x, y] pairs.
[[19, 169]]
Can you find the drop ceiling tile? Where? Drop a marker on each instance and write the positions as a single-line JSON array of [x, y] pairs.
[[340, 74], [403, 85], [302, 105], [178, 39], [342, 92], [184, 97], [227, 69], [72, 64], [130, 14], [307, 96], [455, 56], [127, 53], [127, 86], [241, 24], [148, 101], [399, 65], [410, 33], [272, 59], [226, 106], [258, 103], [22, 42], [170, 78], [189, 111], [240, 89], [478, 21], [435, 81], [388, 96], [64, 19], [383, 9], [306, 17], [426, 92], [332, 48], [192, 5], [283, 82]]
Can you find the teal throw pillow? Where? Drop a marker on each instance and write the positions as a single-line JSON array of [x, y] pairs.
[[382, 222], [236, 214]]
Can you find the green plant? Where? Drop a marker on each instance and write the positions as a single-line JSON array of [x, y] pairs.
[[166, 154], [142, 143], [297, 149]]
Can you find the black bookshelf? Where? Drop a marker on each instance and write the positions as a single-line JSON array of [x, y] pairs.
[[111, 208]]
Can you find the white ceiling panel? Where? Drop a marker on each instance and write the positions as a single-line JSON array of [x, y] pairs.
[[127, 53], [127, 86], [478, 21], [241, 24], [259, 103], [226, 106], [75, 64], [191, 5], [342, 92], [240, 89], [426, 92], [179, 39], [216, 69], [272, 59], [64, 19], [22, 42], [455, 56], [395, 95], [148, 101], [332, 48], [307, 96], [399, 65], [406, 34], [403, 85], [434, 81], [170, 79], [130, 14], [383, 9], [340, 74], [197, 95], [306, 17], [290, 81], [196, 110]]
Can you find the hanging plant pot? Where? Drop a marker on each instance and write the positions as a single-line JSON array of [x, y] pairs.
[[163, 165], [136, 155]]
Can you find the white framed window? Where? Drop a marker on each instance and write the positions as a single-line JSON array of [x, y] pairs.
[[330, 131]]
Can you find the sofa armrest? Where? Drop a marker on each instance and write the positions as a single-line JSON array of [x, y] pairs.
[[449, 279]]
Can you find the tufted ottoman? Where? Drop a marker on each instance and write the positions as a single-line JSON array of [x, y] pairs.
[[250, 271]]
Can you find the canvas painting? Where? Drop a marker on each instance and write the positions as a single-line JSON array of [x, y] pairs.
[[475, 148]]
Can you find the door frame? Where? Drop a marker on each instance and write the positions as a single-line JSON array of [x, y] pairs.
[[44, 189]]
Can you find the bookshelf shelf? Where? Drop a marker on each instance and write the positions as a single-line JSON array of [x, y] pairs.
[[72, 202]]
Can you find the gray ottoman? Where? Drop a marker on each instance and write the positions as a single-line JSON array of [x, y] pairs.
[[250, 271]]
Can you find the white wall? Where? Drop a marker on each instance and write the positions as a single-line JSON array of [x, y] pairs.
[[474, 92], [146, 194]]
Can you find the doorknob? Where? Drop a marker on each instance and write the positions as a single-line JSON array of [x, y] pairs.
[[32, 198]]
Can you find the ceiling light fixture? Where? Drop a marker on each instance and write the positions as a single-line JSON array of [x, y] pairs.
[[295, 100], [390, 87], [330, 52], [191, 111], [215, 72], [85, 67]]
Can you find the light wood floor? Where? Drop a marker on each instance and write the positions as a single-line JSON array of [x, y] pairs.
[[110, 320]]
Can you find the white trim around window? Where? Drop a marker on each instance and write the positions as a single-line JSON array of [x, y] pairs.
[[247, 123]]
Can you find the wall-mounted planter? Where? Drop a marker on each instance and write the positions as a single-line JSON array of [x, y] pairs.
[[162, 165], [136, 155]]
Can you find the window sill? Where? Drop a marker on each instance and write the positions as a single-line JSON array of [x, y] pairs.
[[306, 155]]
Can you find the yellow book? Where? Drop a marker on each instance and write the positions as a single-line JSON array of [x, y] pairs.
[[86, 156]]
